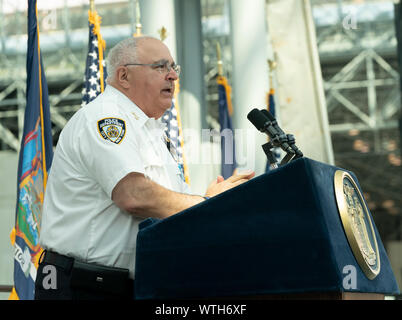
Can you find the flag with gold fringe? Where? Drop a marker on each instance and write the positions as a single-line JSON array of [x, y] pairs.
[[228, 150], [171, 118], [174, 134], [271, 108], [35, 158], [95, 70], [271, 102]]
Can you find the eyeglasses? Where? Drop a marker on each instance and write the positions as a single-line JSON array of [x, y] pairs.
[[161, 67]]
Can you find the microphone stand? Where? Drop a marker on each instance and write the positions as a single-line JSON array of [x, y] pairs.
[[286, 159], [265, 122], [287, 142], [277, 140], [292, 143], [267, 147]]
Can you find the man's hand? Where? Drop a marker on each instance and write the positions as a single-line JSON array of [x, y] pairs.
[[221, 185]]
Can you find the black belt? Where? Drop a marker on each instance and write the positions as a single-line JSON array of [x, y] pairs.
[[92, 276], [58, 260]]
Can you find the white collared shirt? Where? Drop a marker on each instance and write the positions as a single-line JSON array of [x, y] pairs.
[[102, 143]]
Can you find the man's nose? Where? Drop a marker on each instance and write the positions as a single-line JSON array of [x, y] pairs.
[[172, 75]]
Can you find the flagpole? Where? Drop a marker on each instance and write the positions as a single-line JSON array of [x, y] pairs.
[[272, 67], [92, 5], [138, 25], [163, 33], [219, 55]]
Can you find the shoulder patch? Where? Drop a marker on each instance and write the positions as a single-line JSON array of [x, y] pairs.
[[112, 129]]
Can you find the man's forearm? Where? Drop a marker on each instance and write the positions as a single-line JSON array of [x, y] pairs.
[[160, 202], [145, 198]]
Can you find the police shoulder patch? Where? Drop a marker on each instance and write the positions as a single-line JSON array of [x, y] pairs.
[[112, 129]]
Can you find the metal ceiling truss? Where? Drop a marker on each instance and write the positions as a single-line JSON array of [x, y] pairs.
[[13, 101], [377, 117], [361, 83]]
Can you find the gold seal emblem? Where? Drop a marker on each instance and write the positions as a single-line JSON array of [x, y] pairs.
[[112, 132], [357, 223]]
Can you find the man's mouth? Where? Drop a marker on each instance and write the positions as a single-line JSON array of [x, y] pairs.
[[168, 91]]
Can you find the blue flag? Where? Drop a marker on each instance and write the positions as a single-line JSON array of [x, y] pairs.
[[271, 102], [272, 110], [228, 151], [95, 69], [35, 158]]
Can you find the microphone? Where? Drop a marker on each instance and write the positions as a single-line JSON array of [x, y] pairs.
[[290, 140], [261, 122], [264, 124]]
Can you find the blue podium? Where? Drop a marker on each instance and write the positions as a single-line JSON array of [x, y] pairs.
[[300, 231]]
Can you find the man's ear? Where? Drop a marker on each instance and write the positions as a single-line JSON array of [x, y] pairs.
[[122, 77]]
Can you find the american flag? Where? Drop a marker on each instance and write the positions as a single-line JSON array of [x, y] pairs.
[[173, 133], [95, 75]]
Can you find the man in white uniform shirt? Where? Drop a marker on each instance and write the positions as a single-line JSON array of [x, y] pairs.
[[111, 170]]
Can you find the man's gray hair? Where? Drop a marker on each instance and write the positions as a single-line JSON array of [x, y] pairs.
[[122, 53]]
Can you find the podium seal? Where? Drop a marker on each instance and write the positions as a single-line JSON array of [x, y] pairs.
[[357, 223]]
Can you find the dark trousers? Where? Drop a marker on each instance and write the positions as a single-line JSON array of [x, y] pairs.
[[62, 278]]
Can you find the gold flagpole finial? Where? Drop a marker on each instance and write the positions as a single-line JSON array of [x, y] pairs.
[[163, 33], [219, 56], [92, 5], [138, 25], [272, 66]]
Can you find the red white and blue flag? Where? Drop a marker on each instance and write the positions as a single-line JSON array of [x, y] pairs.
[[173, 131], [95, 69]]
